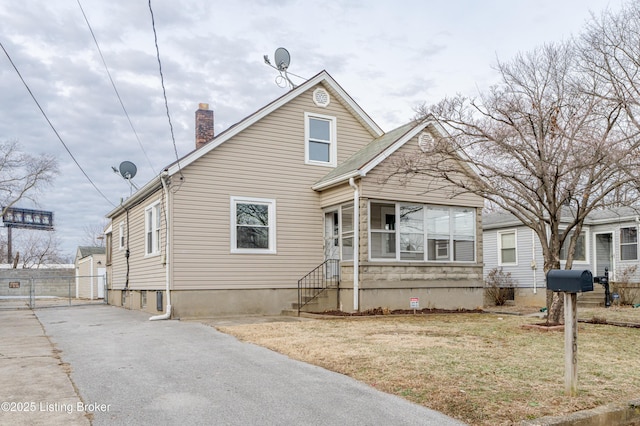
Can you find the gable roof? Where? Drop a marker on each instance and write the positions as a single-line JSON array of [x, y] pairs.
[[597, 217], [321, 78], [85, 251], [363, 161]]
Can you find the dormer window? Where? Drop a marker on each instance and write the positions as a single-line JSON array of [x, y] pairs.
[[320, 139]]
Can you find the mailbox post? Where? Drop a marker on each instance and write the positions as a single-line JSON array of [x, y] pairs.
[[570, 282]]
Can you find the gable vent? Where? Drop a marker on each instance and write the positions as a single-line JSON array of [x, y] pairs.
[[321, 97], [425, 141]]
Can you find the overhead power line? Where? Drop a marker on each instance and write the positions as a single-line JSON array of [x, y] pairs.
[[52, 127], [114, 87], [164, 91]]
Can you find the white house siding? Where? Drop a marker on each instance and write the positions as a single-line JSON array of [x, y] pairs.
[[265, 161], [616, 264], [528, 254]]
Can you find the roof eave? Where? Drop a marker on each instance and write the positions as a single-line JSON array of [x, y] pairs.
[[263, 112], [151, 186], [337, 180]]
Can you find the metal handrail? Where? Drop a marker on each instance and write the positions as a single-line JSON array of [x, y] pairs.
[[326, 275]]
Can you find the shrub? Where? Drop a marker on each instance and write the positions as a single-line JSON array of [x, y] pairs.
[[628, 290], [499, 286]]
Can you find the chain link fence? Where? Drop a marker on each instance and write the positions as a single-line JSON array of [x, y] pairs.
[[31, 292]]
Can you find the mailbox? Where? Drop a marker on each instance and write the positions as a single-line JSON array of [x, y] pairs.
[[570, 281]]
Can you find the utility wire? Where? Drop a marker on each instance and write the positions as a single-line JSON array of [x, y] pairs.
[[164, 91], [52, 127], [114, 87]]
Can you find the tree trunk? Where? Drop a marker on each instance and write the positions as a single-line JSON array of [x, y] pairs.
[[555, 301], [555, 308]]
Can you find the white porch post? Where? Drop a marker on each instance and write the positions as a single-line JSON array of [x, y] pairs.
[[356, 242]]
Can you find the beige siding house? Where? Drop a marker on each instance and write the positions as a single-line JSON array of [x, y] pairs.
[[234, 225], [90, 265]]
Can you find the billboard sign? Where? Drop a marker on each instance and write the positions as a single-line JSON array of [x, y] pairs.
[[25, 218]]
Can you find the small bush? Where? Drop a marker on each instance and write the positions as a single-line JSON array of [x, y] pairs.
[[629, 291], [499, 286]]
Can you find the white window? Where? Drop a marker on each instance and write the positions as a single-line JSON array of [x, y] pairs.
[[152, 229], [424, 233], [438, 228], [629, 243], [253, 225], [320, 139], [580, 253], [507, 247], [463, 236], [121, 237], [411, 232], [383, 231]]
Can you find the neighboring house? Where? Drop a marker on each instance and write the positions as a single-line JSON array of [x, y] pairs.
[[90, 266], [231, 227], [609, 239]]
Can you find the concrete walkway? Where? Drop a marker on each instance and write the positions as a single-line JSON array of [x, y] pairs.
[[35, 388], [128, 370]]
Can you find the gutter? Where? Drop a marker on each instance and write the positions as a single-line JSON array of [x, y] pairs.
[[356, 243], [167, 314], [337, 180], [138, 196]]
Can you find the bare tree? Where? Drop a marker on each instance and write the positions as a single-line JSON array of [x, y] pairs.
[[610, 49], [94, 235], [538, 145], [36, 248], [22, 174]]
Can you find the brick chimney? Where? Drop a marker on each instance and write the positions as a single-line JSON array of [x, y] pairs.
[[204, 125]]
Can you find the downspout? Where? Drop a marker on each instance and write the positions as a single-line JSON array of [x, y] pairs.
[[167, 314], [356, 242]]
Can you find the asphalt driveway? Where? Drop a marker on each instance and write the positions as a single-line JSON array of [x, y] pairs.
[[128, 370]]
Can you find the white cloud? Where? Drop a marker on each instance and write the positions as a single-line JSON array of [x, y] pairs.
[[390, 56]]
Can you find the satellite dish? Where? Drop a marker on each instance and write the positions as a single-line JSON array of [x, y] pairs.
[[282, 58], [128, 170]]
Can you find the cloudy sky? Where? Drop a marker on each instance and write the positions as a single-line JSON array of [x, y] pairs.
[[389, 56]]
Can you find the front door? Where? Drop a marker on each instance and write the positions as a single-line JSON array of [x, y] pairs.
[[331, 241], [331, 235], [604, 253]]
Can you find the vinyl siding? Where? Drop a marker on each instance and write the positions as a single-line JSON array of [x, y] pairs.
[[528, 252], [336, 195], [423, 189], [265, 161], [145, 272], [616, 265]]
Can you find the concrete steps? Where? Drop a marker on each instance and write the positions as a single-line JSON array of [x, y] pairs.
[[325, 301], [592, 299]]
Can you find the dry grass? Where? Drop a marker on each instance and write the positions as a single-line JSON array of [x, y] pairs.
[[483, 369]]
